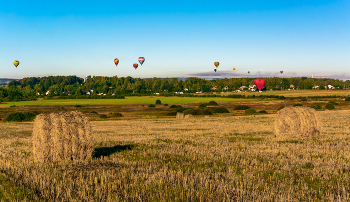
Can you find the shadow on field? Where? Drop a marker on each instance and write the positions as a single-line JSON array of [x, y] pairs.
[[106, 151]]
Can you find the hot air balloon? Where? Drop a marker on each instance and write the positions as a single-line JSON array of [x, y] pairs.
[[16, 63], [135, 65], [141, 60], [214, 70], [234, 68], [116, 61], [259, 83], [281, 72], [216, 64], [248, 72]]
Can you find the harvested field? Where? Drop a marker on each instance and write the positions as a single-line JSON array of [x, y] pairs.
[[198, 159]]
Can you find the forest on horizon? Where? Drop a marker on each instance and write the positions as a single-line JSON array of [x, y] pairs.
[[75, 87]]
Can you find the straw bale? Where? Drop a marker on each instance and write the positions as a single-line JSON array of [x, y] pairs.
[[297, 122], [62, 137], [188, 116], [180, 115]]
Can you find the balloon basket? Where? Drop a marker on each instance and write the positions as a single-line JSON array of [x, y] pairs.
[[260, 91]]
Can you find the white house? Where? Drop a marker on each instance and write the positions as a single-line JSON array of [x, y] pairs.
[[179, 92], [225, 88], [47, 92], [242, 87]]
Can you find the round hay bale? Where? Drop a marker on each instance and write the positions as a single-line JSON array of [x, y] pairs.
[[180, 115], [297, 122], [188, 116], [62, 137]]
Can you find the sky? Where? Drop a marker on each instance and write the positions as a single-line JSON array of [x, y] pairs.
[[177, 38]]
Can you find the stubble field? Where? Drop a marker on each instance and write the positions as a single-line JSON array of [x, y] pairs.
[[230, 158]]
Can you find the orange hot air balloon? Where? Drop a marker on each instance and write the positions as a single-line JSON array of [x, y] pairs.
[[216, 64], [16, 63], [116, 61], [135, 65], [234, 68]]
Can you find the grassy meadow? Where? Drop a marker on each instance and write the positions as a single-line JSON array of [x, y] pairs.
[[198, 159], [147, 156], [127, 100]]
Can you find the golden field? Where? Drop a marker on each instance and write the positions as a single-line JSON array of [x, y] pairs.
[[228, 158]]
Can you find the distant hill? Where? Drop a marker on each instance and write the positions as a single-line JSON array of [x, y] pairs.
[[6, 80]]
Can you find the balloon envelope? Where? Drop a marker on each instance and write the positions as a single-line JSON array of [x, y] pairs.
[[216, 64], [248, 72], [135, 65], [141, 60], [116, 61], [281, 72], [259, 83], [16, 63], [214, 70], [234, 68]]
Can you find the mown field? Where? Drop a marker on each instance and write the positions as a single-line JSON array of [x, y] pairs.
[[148, 156], [198, 159]]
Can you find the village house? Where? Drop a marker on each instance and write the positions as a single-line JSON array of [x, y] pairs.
[[179, 93], [242, 87], [291, 87], [185, 89], [87, 92], [225, 88], [214, 88], [38, 93], [251, 87], [47, 92]]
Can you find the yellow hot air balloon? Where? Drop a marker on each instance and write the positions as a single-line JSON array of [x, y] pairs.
[[234, 68], [16, 63]]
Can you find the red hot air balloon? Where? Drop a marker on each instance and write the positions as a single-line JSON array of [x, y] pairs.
[[116, 61], [281, 72], [216, 64], [259, 83], [141, 60], [135, 65]]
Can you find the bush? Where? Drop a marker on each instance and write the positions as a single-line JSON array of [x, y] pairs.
[[93, 112], [330, 106], [16, 116], [115, 114], [250, 111], [28, 116], [181, 109], [281, 107], [165, 104], [171, 114], [158, 102], [103, 116], [347, 98], [303, 99], [315, 106], [263, 111], [218, 110], [241, 107], [151, 105], [187, 111], [202, 106], [281, 97], [199, 112], [297, 105], [334, 103], [77, 106], [212, 103], [175, 106]]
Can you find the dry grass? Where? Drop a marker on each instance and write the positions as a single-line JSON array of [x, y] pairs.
[[62, 137], [198, 159], [297, 122]]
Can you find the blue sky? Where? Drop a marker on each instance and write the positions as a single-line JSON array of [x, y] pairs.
[[177, 38]]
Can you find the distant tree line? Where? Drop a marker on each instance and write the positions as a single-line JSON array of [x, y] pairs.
[[117, 87]]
